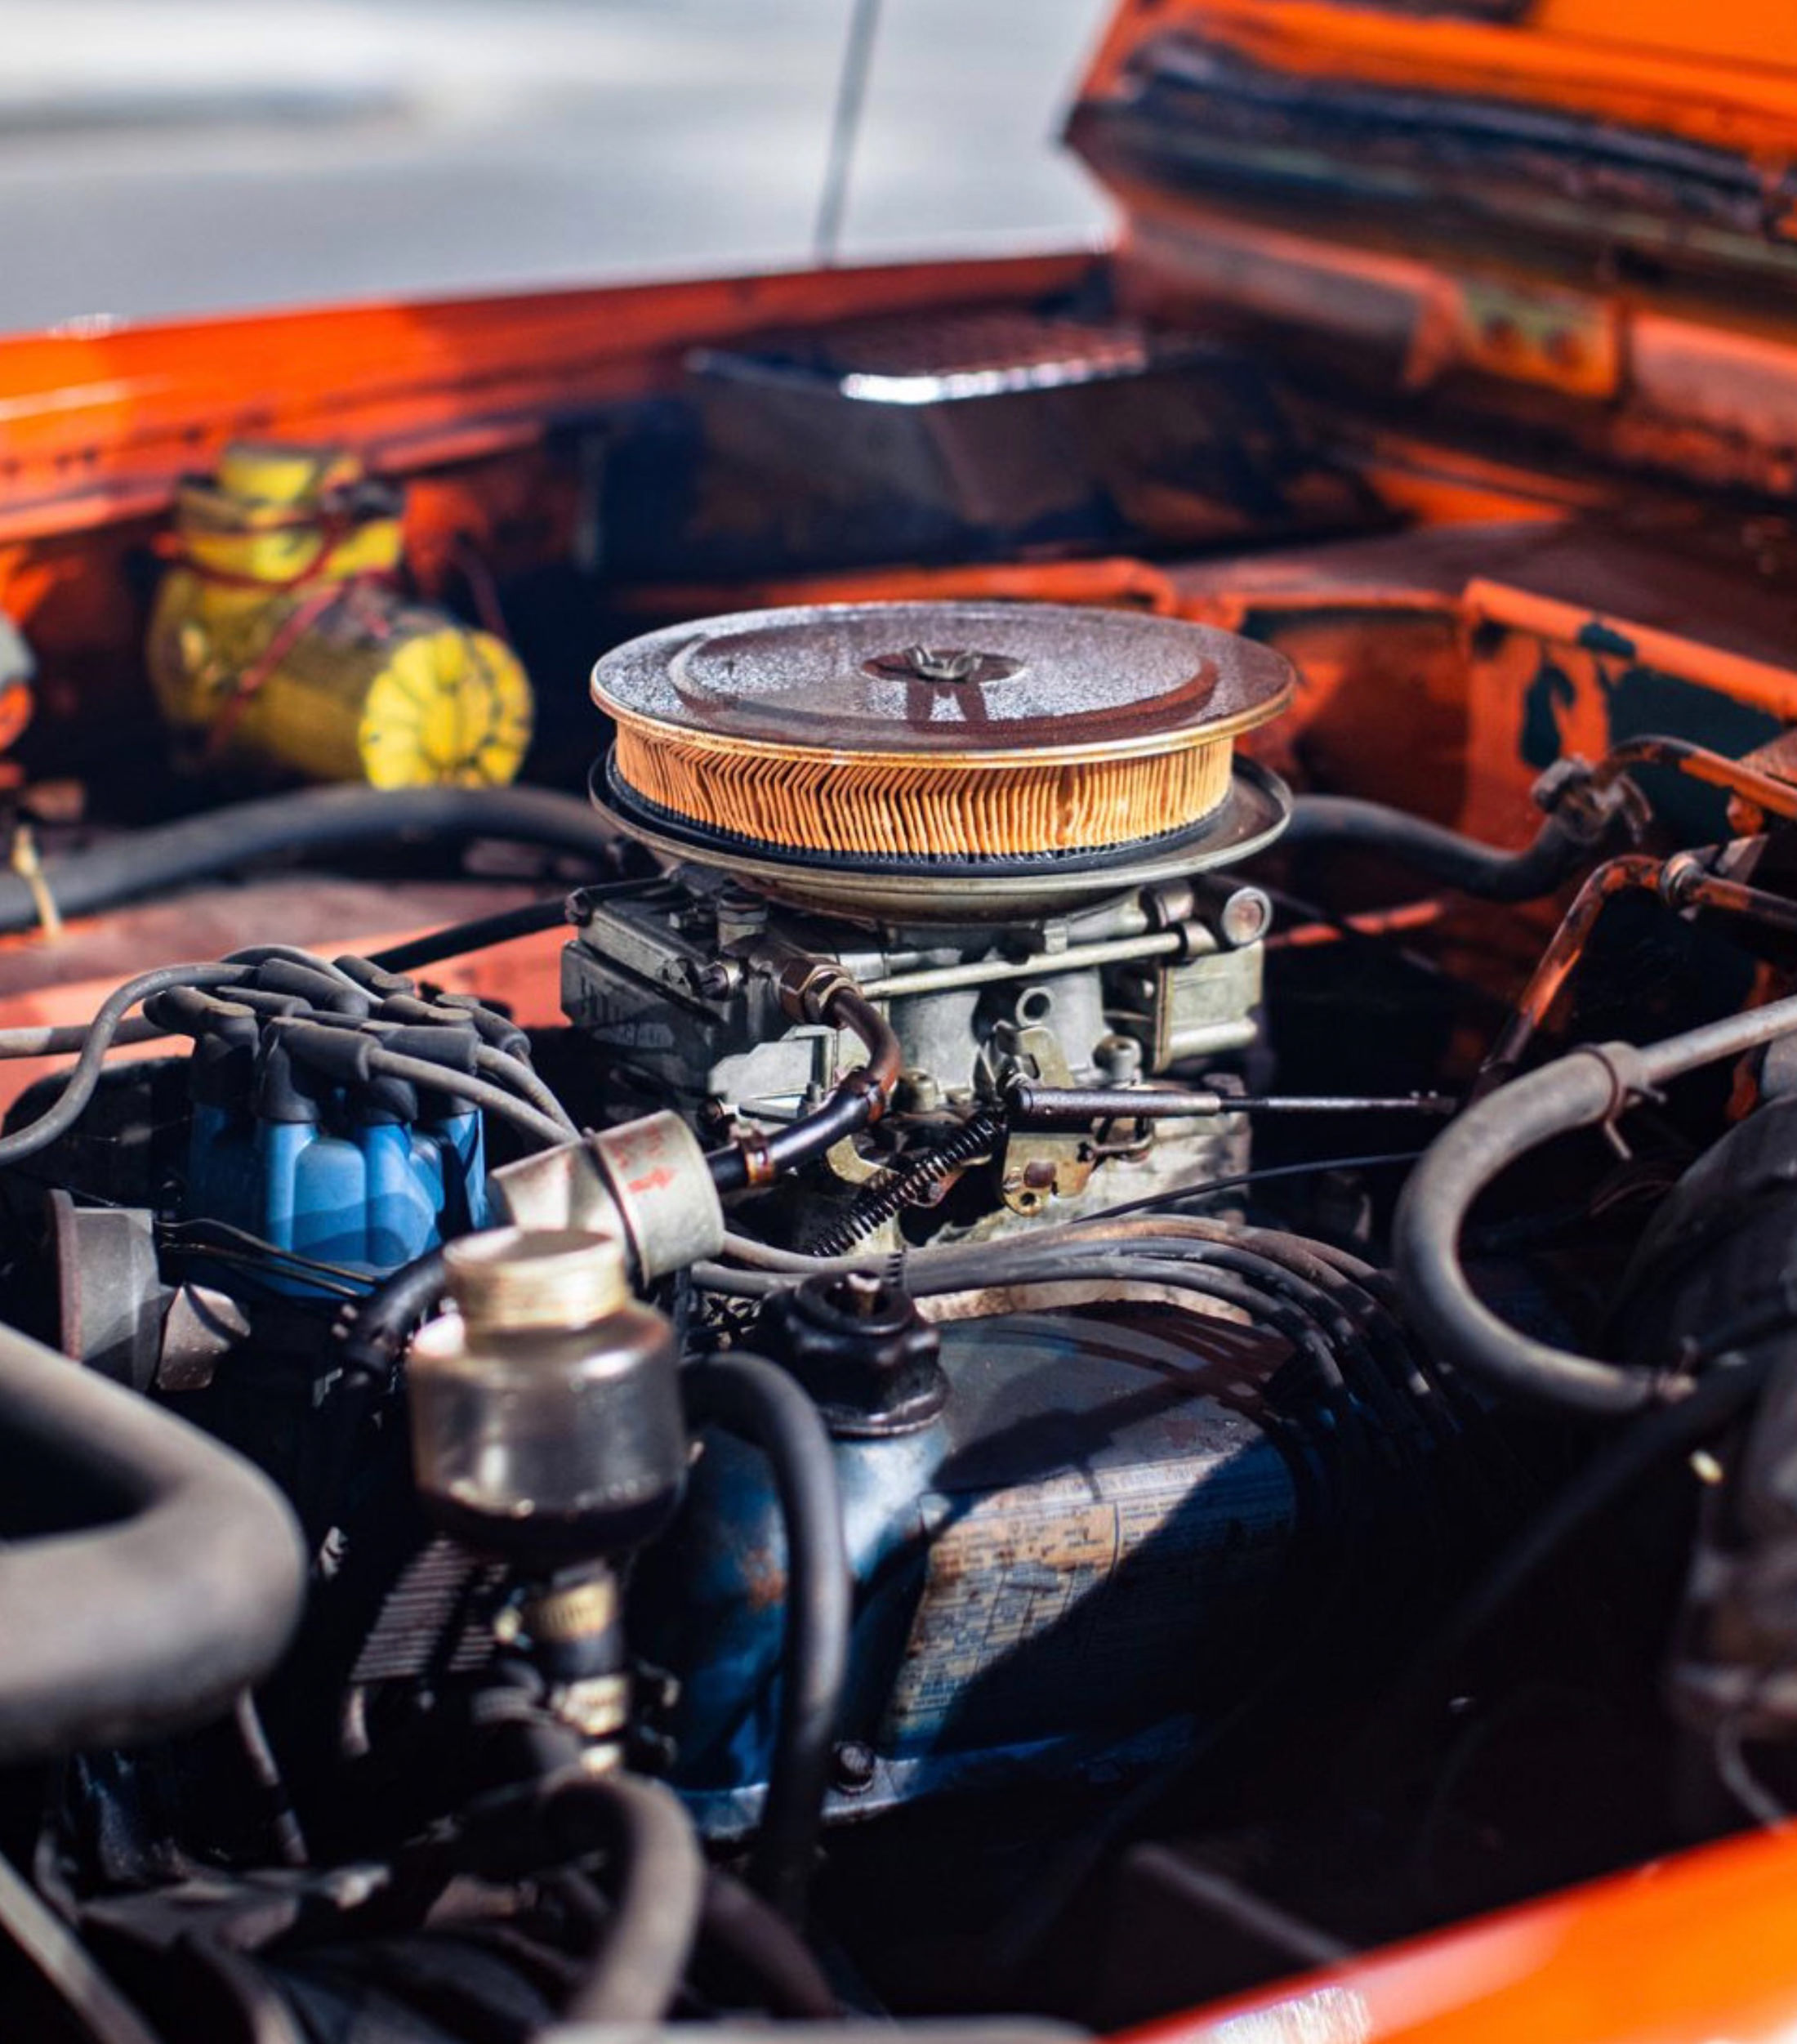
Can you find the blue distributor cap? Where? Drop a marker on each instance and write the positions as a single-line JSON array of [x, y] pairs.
[[302, 1138]]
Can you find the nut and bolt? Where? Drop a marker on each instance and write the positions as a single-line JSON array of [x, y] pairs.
[[1245, 917], [918, 1092], [859, 1293], [718, 979], [942, 663], [1681, 877], [853, 1767], [740, 916], [1119, 1058]]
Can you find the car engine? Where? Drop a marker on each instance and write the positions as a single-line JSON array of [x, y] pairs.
[[1092, 1358]]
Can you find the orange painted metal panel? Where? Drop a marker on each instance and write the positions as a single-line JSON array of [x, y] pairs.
[[98, 424], [1757, 31], [1693, 1950], [1734, 89], [97, 421], [1708, 400]]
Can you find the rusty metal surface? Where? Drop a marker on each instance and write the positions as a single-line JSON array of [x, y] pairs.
[[1044, 677], [317, 911], [1722, 78], [102, 421]]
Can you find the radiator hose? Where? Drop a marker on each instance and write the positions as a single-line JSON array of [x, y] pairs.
[[180, 1586], [1586, 1089], [1345, 824]]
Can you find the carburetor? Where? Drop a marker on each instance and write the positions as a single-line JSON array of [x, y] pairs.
[[1007, 825], [1127, 989]]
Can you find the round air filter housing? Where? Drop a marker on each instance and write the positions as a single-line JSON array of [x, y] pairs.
[[952, 747]]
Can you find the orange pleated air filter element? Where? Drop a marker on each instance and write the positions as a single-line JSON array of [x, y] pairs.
[[973, 735]]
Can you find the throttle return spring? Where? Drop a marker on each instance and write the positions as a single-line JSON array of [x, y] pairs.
[[905, 1185]]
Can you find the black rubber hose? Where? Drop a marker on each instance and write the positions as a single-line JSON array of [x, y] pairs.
[[505, 925], [187, 1591], [344, 1054], [223, 841], [1577, 1092], [753, 1398], [1344, 823], [1585, 1089], [1297, 1319], [848, 1108], [1317, 1291], [656, 1888], [1270, 1296], [517, 1077], [372, 1336], [854, 1102], [1360, 1317], [315, 968], [481, 933], [79, 1087], [397, 1303], [755, 1941], [96, 2010], [1351, 1284], [1014, 1265]]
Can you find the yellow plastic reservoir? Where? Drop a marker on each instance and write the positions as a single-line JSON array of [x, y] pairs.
[[279, 638]]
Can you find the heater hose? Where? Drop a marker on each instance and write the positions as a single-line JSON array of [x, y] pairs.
[[311, 820]]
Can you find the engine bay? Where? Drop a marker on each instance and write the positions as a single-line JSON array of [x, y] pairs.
[[1052, 1282]]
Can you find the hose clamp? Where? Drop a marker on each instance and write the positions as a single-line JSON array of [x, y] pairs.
[[807, 986], [757, 1161], [1620, 1064], [1588, 801], [862, 1081]]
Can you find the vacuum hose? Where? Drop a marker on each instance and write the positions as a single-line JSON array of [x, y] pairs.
[[815, 991], [767, 1407]]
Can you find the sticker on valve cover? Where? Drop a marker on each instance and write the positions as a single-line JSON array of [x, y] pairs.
[[1096, 1587]]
